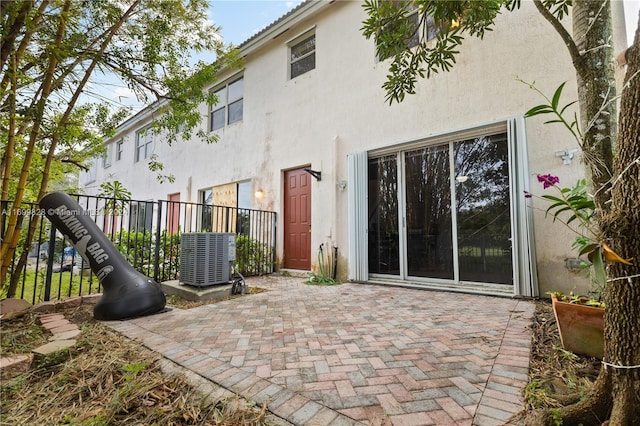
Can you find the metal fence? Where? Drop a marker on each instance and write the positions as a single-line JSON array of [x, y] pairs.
[[147, 233]]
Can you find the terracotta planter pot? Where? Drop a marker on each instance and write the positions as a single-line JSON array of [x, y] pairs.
[[581, 327]]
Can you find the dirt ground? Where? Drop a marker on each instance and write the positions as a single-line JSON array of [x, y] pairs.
[[109, 380], [554, 374]]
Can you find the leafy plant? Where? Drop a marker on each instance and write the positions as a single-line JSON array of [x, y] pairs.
[[119, 196], [138, 248], [252, 256], [574, 205]]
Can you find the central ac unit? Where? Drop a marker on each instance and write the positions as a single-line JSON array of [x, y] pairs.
[[205, 258]]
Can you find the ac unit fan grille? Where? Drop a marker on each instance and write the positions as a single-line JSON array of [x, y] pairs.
[[204, 258]]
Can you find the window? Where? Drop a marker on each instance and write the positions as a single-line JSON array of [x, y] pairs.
[[90, 173], [144, 144], [229, 107], [119, 149], [205, 199], [141, 219], [106, 158], [244, 204], [303, 56], [422, 31]]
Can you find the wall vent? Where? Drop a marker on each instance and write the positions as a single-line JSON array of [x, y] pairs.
[[205, 258]]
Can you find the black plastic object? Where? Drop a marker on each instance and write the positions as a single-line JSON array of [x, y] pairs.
[[126, 292]]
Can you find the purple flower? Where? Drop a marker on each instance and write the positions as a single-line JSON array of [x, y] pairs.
[[548, 180], [527, 194]]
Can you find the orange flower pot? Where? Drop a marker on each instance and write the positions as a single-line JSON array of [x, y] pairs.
[[581, 327]]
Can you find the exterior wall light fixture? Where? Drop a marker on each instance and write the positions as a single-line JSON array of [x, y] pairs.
[[566, 155]]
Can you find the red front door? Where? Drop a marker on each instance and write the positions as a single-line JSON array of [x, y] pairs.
[[297, 220]]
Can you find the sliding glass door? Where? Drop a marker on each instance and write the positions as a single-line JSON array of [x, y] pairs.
[[483, 219], [384, 237], [442, 212], [427, 177]]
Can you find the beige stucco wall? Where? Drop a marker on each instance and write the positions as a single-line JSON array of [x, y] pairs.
[[339, 108]]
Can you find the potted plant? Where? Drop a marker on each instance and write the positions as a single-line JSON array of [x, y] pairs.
[[580, 318]]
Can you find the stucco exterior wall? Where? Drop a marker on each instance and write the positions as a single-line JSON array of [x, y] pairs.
[[338, 108]]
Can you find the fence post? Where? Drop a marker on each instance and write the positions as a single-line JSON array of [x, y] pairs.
[[50, 256], [275, 241], [156, 264]]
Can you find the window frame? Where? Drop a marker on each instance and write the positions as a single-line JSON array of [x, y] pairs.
[[119, 149], [149, 144], [91, 174], [224, 105], [106, 157], [296, 42]]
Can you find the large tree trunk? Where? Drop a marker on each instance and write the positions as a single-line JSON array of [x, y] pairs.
[[615, 396], [622, 229], [593, 36]]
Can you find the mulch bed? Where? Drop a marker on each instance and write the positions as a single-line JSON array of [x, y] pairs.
[[109, 380], [555, 375]]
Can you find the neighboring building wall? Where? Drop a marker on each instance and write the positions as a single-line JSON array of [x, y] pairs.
[[338, 108]]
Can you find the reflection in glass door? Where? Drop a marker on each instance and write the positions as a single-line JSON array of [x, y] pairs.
[[384, 240], [454, 221], [483, 209], [428, 213]]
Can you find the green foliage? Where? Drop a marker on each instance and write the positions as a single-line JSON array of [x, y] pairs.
[[553, 107], [576, 203], [138, 248], [252, 256], [556, 415], [119, 196], [54, 59], [133, 370], [595, 300], [535, 393]]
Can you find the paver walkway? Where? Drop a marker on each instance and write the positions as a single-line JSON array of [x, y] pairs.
[[355, 353]]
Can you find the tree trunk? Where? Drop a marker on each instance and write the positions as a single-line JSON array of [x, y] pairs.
[[622, 230], [615, 396], [593, 36], [616, 393]]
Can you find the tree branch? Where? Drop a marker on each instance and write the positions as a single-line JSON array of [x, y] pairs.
[[75, 163], [576, 57]]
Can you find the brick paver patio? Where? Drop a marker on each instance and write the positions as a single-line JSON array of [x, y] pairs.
[[355, 353]]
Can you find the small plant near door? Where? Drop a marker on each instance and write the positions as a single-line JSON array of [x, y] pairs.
[[326, 269]]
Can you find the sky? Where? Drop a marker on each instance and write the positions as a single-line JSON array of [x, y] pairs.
[[241, 19]]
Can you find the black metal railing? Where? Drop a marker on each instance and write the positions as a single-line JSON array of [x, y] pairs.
[[147, 233]]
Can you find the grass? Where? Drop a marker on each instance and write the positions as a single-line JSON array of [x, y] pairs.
[[63, 285]]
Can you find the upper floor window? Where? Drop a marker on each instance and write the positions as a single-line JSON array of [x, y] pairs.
[[91, 172], [422, 29], [303, 56], [106, 157], [229, 107], [144, 144], [119, 149]]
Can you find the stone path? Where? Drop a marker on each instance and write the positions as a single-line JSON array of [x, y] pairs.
[[355, 353]]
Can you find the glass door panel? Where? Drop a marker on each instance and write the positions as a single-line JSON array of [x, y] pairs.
[[384, 239], [483, 209], [428, 212]]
